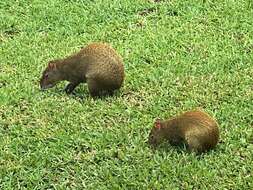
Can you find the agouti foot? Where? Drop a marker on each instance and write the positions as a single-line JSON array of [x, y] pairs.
[[70, 93], [101, 94], [110, 93], [70, 88]]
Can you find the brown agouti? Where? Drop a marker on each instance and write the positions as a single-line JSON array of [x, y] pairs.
[[97, 64], [196, 129]]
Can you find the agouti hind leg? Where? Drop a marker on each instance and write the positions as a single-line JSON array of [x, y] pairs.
[[194, 145], [94, 87], [70, 87], [97, 89]]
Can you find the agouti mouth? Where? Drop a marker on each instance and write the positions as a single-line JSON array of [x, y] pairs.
[[46, 87]]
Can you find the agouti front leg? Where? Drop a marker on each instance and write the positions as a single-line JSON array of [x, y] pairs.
[[70, 87]]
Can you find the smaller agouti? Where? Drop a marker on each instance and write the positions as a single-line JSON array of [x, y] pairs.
[[196, 129], [97, 64]]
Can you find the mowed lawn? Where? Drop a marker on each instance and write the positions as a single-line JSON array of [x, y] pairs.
[[178, 55]]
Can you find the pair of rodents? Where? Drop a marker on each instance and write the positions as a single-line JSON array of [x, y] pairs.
[[102, 68]]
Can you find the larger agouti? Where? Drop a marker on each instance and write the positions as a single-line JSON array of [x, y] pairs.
[[196, 129], [97, 64]]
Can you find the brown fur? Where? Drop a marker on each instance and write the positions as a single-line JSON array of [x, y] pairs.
[[196, 129], [97, 64]]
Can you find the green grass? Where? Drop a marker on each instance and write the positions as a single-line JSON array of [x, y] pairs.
[[178, 55]]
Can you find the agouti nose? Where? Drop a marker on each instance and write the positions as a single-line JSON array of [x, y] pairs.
[[42, 88]]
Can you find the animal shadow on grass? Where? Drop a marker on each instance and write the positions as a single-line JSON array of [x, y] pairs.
[[156, 1], [146, 11], [11, 31], [81, 93], [180, 149], [166, 146]]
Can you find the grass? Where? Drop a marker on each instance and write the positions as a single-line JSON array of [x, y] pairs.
[[178, 55]]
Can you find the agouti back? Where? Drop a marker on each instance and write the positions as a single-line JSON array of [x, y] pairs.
[[97, 64], [196, 129]]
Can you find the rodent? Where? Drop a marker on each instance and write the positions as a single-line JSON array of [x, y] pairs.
[[98, 64], [196, 129]]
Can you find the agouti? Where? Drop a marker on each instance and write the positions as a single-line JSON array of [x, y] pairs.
[[97, 64], [196, 129]]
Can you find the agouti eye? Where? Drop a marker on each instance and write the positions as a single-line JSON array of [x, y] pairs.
[[46, 76]]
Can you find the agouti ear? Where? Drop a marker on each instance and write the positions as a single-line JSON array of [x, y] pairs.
[[158, 124], [51, 65]]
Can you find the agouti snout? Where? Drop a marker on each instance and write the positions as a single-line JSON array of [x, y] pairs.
[[97, 64], [50, 76], [196, 129]]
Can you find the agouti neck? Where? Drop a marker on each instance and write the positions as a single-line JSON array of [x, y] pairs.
[[70, 67]]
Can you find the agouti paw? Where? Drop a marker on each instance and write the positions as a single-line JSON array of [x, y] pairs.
[[68, 90]]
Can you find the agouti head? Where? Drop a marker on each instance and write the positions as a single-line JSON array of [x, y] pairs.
[[50, 76], [156, 134]]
